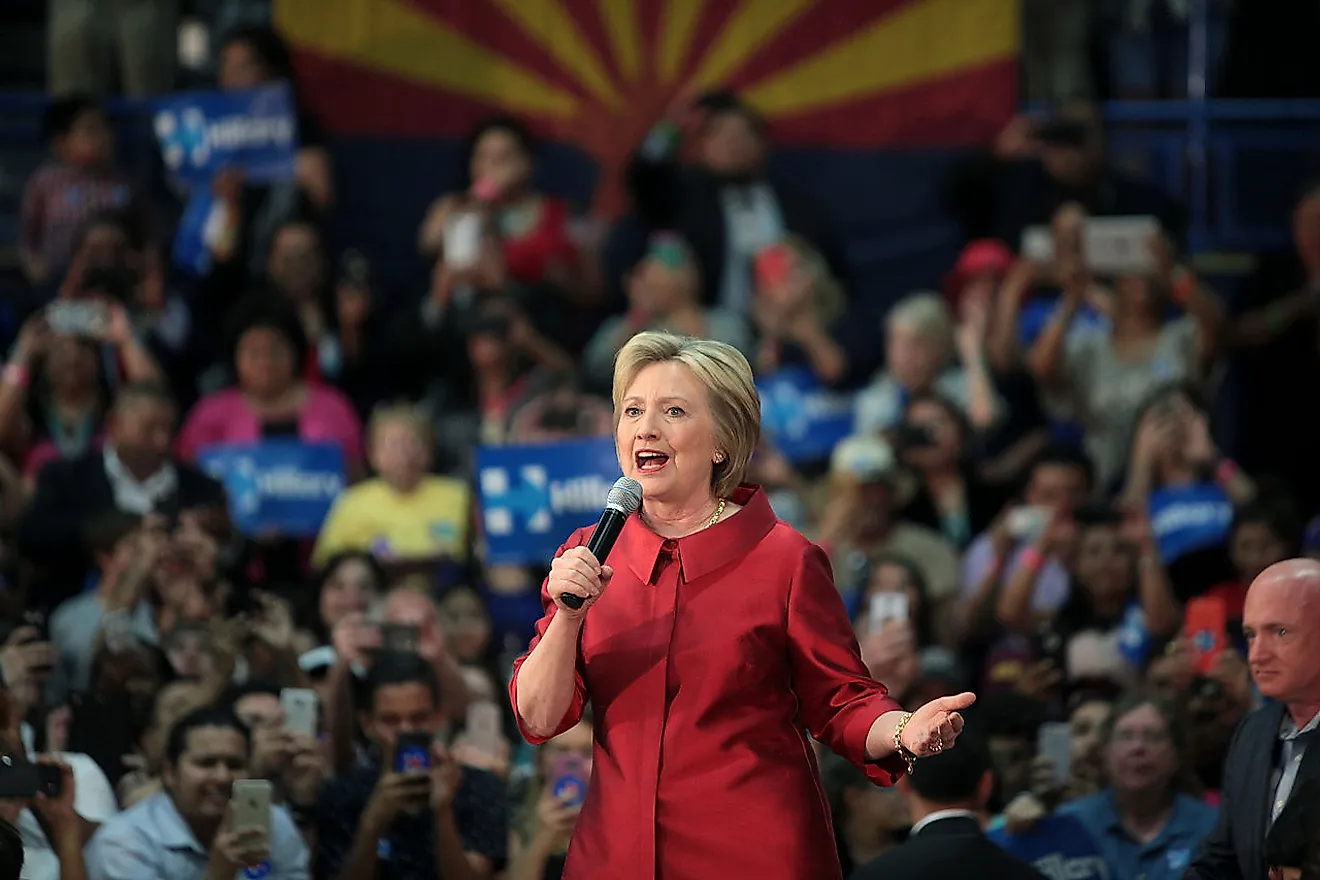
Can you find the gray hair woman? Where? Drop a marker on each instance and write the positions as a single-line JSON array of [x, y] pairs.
[[708, 650], [926, 352]]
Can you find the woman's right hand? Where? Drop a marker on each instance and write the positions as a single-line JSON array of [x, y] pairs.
[[555, 818], [1156, 434], [353, 638], [890, 654], [32, 340], [1022, 813], [577, 573], [1044, 786]]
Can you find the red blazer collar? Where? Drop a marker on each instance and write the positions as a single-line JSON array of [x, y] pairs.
[[701, 552]]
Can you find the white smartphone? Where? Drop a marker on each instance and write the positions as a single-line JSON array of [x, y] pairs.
[[885, 607], [251, 801], [462, 245], [483, 726], [1027, 523], [78, 318], [1113, 245], [1054, 741], [300, 710]]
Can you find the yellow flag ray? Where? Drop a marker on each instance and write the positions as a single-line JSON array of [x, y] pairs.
[[393, 37], [625, 32], [755, 23], [918, 42], [678, 23], [546, 22]]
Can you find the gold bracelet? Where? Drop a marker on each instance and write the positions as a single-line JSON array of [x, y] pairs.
[[908, 757]]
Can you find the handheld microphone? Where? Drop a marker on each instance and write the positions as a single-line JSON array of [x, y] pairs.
[[624, 499]]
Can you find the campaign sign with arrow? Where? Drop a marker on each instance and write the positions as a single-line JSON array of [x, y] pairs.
[[533, 496]]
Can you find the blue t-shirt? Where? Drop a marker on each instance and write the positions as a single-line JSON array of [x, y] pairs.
[[1164, 858], [1058, 846]]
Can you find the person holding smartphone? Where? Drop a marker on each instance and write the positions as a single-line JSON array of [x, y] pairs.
[[553, 804], [410, 811], [187, 831]]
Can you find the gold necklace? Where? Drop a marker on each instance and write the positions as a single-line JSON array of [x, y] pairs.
[[719, 512]]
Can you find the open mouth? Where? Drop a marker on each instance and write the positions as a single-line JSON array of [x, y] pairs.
[[649, 462]]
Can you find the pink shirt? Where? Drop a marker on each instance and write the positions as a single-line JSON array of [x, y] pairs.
[[225, 417]]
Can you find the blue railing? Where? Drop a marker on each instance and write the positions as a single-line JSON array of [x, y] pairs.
[[1236, 164]]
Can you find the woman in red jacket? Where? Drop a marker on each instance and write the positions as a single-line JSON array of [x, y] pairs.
[[709, 650]]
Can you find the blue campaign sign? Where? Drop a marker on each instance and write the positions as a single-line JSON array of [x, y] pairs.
[[192, 251], [1189, 518], [804, 419], [533, 496], [1058, 846], [202, 132], [278, 485]]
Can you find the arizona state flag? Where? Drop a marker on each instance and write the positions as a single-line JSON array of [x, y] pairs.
[[851, 74]]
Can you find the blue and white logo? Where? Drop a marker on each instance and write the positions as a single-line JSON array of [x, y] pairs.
[[804, 419], [241, 482], [278, 485], [182, 137], [202, 132], [534, 496]]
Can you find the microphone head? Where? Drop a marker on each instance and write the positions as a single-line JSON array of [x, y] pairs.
[[625, 496]]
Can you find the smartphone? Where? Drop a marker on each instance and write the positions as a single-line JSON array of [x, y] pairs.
[[913, 436], [1097, 515], [78, 318], [300, 710], [1205, 626], [569, 778], [412, 753], [1054, 741], [1028, 523], [483, 726], [251, 802], [400, 637], [1113, 245], [22, 779], [462, 244], [885, 607], [37, 620], [773, 265]]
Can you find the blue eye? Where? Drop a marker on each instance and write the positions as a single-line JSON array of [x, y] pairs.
[[631, 412], [675, 411]]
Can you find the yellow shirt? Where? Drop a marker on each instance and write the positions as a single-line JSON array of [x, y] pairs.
[[431, 521]]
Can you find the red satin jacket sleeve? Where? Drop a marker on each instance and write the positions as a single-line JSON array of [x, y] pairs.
[[579, 702], [839, 699]]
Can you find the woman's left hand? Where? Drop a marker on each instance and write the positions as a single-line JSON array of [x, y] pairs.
[[936, 726]]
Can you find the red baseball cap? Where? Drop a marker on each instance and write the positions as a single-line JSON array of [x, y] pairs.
[[985, 256]]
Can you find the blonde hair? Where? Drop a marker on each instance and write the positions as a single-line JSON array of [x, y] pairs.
[[404, 413], [929, 315], [827, 296], [735, 405]]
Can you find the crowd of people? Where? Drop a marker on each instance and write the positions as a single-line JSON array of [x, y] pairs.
[[1032, 501]]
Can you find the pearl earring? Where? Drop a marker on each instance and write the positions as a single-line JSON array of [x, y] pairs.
[[719, 457]]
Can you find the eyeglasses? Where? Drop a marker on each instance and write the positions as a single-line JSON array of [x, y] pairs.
[[1150, 736]]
